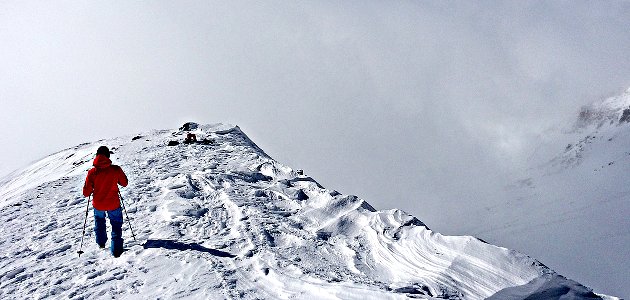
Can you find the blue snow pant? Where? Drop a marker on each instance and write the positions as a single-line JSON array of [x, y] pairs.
[[116, 220]]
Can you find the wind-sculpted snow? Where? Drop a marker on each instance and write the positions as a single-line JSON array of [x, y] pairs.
[[222, 220]]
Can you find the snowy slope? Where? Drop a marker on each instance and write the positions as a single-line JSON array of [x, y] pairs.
[[573, 212], [225, 221]]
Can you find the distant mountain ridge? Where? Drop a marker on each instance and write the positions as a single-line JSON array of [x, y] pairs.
[[606, 119], [610, 111], [577, 201], [223, 220]]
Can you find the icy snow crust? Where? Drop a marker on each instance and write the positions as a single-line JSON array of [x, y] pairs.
[[225, 221]]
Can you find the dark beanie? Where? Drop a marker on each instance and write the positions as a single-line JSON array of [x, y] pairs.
[[102, 150]]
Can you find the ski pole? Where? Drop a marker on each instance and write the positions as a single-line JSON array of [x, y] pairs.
[[126, 215], [84, 223]]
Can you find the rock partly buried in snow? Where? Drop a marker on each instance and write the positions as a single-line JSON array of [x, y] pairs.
[[226, 221], [189, 126], [625, 116]]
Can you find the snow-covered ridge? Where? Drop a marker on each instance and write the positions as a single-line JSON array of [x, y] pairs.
[[222, 220]]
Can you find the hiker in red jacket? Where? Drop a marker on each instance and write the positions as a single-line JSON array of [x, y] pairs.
[[102, 181]]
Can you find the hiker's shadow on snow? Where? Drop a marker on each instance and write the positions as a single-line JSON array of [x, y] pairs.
[[174, 245]]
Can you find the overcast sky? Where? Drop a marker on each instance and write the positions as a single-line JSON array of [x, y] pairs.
[[409, 104]]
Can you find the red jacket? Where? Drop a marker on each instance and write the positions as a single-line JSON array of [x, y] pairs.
[[103, 181]]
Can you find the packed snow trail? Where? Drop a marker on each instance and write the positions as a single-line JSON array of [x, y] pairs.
[[222, 220]]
